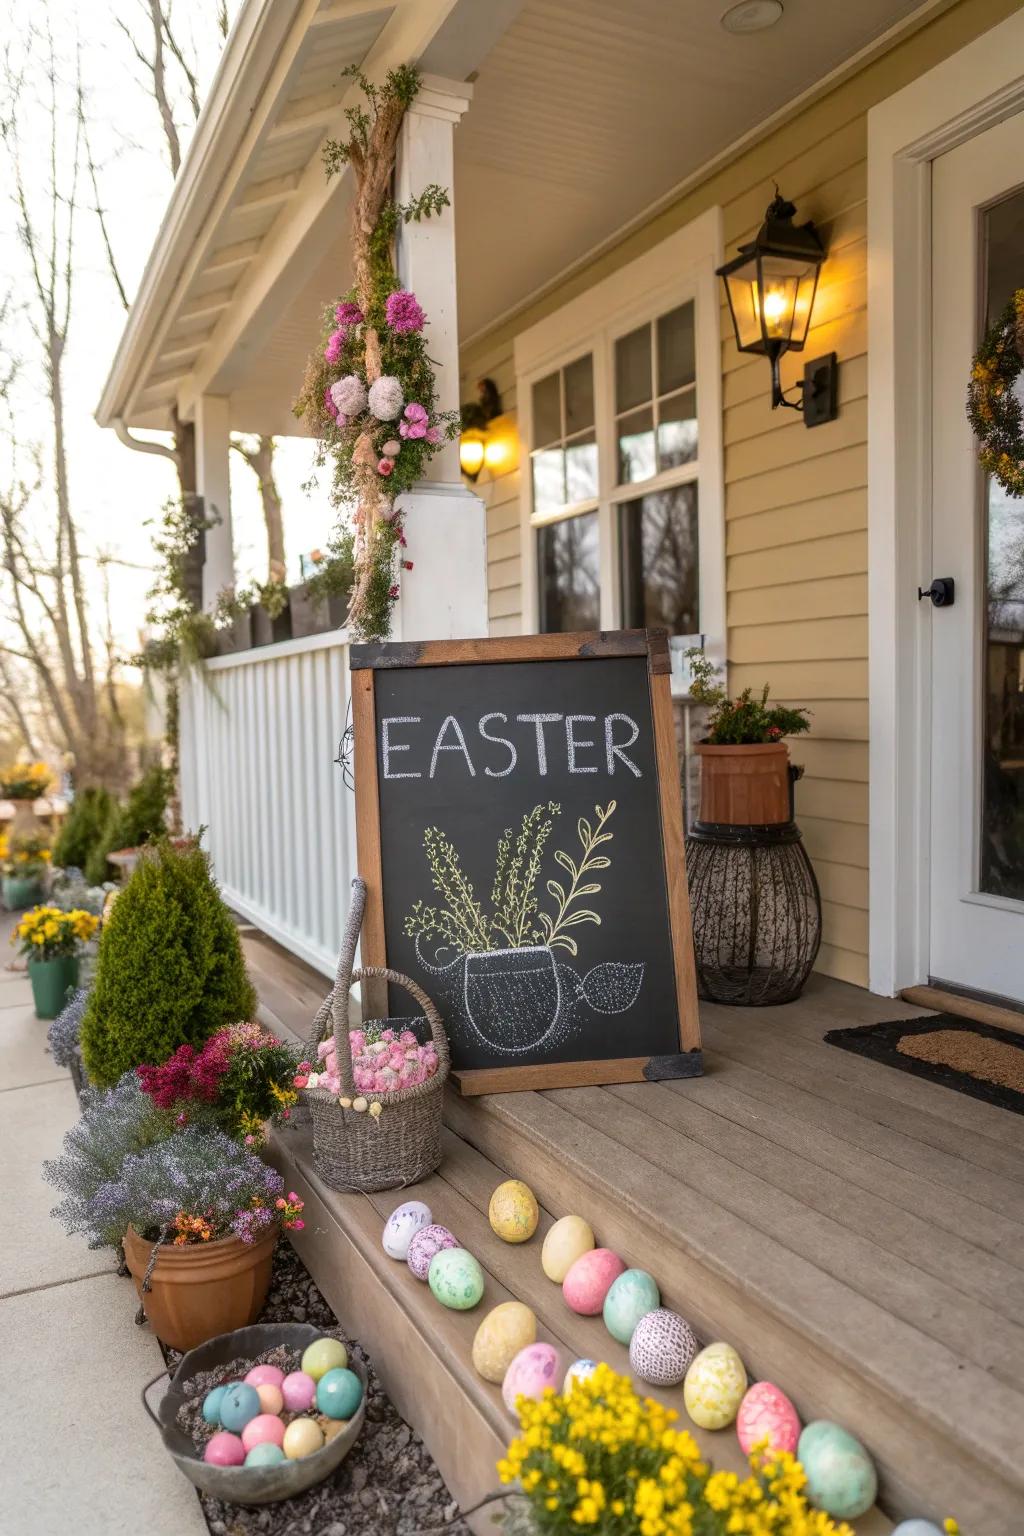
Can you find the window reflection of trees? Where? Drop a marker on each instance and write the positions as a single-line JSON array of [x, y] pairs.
[[659, 560], [570, 577], [1002, 842]]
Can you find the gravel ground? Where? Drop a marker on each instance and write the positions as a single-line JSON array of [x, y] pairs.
[[388, 1485]]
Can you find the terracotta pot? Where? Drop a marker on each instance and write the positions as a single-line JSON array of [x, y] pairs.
[[745, 786], [203, 1289]]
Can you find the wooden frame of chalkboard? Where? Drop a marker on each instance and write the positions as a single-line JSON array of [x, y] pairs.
[[366, 661]]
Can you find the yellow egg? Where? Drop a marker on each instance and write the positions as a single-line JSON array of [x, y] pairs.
[[513, 1211], [331, 1427], [567, 1240], [302, 1438], [506, 1330], [714, 1386]]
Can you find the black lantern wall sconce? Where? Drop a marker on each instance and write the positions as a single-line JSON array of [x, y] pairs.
[[770, 287], [476, 445]]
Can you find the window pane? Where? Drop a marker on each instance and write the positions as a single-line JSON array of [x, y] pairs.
[[547, 411], [548, 480], [633, 369], [581, 468], [567, 556], [579, 395], [636, 447], [658, 561], [676, 365], [677, 429]]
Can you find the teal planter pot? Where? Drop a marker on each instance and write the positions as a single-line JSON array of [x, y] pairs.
[[51, 981], [21, 891]]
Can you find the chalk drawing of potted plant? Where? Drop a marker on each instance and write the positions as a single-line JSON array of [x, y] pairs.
[[504, 968]]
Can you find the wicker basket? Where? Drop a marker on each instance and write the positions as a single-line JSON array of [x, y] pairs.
[[353, 1149]]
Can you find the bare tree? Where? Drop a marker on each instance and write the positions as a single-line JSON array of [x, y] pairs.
[[260, 458]]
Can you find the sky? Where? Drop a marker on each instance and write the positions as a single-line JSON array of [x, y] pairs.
[[114, 491]]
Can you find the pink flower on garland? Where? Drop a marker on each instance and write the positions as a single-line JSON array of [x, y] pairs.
[[385, 467], [348, 314], [329, 405], [332, 351], [432, 435], [415, 423], [403, 312]]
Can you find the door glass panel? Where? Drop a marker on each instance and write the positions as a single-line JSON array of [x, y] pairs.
[[636, 446], [579, 395], [658, 560], [676, 365], [547, 411], [569, 577], [548, 480], [581, 468], [677, 430], [1002, 820], [633, 369]]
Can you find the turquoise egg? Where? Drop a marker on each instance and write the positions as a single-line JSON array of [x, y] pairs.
[[841, 1477], [239, 1404], [266, 1454], [456, 1279], [629, 1298], [211, 1405], [339, 1393]]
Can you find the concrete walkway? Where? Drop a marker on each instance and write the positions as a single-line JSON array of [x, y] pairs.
[[79, 1451]]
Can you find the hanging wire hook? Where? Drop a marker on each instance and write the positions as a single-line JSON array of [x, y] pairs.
[[346, 749]]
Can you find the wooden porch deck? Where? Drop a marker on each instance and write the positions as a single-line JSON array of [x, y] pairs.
[[857, 1232]]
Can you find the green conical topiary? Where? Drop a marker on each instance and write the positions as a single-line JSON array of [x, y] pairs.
[[83, 828], [170, 967], [129, 826]]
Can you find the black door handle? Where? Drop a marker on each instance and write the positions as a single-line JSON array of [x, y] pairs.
[[942, 592]]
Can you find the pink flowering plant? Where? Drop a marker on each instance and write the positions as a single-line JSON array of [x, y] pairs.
[[240, 1079]]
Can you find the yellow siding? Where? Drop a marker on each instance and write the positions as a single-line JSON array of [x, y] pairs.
[[796, 500]]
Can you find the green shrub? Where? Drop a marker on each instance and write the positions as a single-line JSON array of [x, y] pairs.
[[96, 869], [83, 828], [170, 968], [139, 819]]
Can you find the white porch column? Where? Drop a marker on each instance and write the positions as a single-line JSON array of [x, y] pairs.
[[213, 482], [445, 594]]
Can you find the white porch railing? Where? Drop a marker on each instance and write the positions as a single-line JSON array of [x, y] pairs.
[[258, 737]]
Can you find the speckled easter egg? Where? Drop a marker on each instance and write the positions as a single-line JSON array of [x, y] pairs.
[[533, 1369], [298, 1391], [324, 1355], [578, 1371], [505, 1331], [714, 1386], [402, 1225], [456, 1279], [338, 1394], [264, 1428], [662, 1348], [513, 1212], [239, 1404], [224, 1450], [629, 1298], [424, 1244], [916, 1528], [566, 1241], [302, 1438], [266, 1454], [264, 1375], [211, 1405], [271, 1397], [841, 1477], [766, 1413], [589, 1280]]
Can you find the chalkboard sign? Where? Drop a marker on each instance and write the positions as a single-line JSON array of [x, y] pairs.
[[520, 832]]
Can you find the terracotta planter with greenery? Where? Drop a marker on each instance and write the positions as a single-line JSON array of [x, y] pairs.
[[201, 1289], [51, 981], [21, 891], [745, 785]]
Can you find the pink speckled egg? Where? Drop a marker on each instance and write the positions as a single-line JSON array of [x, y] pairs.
[[532, 1370], [271, 1397], [265, 1375], [766, 1413], [265, 1428], [589, 1280], [427, 1242], [224, 1450], [663, 1348], [298, 1391]]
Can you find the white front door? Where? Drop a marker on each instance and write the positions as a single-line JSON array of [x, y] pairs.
[[977, 661]]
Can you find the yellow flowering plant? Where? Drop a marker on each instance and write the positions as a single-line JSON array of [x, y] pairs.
[[24, 781], [24, 856], [46, 933]]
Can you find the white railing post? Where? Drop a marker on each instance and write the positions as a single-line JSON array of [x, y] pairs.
[[213, 482]]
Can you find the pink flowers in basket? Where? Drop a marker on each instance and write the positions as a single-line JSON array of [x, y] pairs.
[[380, 1064]]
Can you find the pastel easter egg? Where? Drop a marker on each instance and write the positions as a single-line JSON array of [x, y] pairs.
[[324, 1355], [766, 1413], [271, 1397], [534, 1369], [332, 1428], [224, 1450], [589, 1280], [265, 1428], [566, 1241], [402, 1225], [211, 1405], [302, 1438], [916, 1528], [513, 1212], [264, 1375], [266, 1454], [662, 1348], [456, 1279], [629, 1298], [298, 1391], [841, 1477], [239, 1404], [424, 1244], [505, 1331], [714, 1386], [578, 1371], [339, 1394]]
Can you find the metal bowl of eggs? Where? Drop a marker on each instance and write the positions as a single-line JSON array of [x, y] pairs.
[[308, 1457]]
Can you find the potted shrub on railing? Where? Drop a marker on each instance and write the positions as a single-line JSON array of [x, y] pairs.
[[53, 942], [23, 784], [746, 777], [24, 867], [271, 614]]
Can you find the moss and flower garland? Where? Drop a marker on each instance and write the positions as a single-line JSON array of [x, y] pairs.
[[369, 394], [993, 405]]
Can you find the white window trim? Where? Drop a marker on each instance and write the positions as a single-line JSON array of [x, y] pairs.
[[965, 94], [680, 268]]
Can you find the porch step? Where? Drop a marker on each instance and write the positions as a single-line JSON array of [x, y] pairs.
[[788, 1287]]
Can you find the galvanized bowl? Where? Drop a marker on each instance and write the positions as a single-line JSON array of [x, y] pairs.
[[249, 1485]]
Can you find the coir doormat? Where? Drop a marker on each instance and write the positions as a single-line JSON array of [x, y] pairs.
[[978, 1059]]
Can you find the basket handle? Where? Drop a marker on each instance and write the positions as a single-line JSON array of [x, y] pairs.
[[145, 1398], [346, 960], [342, 1045]]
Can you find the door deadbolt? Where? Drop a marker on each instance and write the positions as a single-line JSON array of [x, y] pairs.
[[942, 592]]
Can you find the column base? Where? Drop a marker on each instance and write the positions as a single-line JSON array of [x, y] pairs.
[[444, 596]]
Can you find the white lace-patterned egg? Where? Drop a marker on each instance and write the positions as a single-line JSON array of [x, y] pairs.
[[402, 1225], [662, 1348]]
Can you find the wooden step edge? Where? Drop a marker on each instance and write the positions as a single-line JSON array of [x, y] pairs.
[[942, 1001]]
